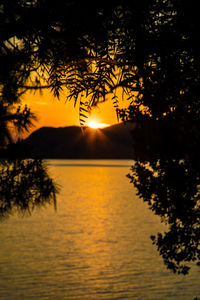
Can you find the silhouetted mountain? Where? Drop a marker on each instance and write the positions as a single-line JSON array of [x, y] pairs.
[[76, 142]]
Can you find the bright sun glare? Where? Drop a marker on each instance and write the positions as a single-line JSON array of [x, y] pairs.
[[93, 124], [96, 125]]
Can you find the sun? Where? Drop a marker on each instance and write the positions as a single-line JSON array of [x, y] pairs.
[[95, 125]]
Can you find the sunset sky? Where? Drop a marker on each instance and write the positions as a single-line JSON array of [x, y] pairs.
[[58, 113]]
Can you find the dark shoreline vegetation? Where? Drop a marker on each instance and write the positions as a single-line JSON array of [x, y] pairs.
[[25, 185], [145, 53], [77, 142]]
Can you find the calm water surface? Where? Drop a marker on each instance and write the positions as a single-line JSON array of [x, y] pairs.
[[96, 246]]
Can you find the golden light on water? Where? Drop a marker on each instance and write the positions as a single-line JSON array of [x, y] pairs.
[[96, 246]]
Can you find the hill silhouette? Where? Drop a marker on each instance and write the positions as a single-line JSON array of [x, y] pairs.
[[76, 142]]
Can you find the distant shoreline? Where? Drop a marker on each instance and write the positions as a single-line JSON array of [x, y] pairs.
[[113, 142]]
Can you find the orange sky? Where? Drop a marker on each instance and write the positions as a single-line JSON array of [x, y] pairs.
[[55, 113]]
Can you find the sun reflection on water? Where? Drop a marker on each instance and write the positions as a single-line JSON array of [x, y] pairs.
[[96, 246]]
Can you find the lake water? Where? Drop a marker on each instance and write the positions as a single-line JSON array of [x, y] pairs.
[[96, 246]]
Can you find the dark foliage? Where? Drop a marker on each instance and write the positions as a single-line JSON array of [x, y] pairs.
[[169, 181], [148, 50], [24, 185]]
